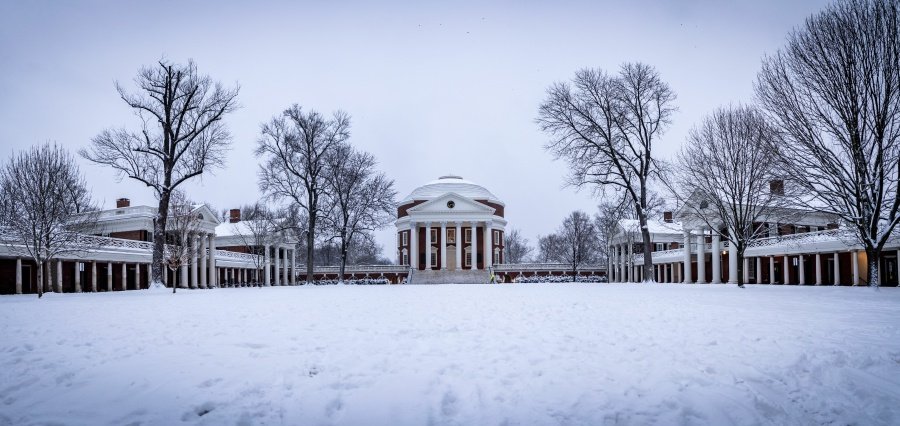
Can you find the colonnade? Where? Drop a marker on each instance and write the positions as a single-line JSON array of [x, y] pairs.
[[459, 242], [201, 272], [781, 268]]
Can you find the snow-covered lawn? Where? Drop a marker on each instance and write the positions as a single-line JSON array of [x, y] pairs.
[[569, 354]]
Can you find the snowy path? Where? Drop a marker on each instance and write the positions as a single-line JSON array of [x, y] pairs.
[[579, 354]]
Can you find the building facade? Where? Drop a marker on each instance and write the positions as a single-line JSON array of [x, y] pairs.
[[450, 224], [805, 248]]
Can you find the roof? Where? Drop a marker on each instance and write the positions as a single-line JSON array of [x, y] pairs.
[[448, 184], [654, 226]]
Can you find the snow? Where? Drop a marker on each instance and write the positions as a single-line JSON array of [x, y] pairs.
[[573, 354], [654, 226]]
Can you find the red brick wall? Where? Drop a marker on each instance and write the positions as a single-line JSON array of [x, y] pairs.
[[139, 235]]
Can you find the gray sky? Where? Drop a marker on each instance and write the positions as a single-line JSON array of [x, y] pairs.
[[432, 88]]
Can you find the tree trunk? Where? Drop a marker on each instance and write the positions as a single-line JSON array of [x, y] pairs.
[[874, 260], [159, 240], [40, 278], [309, 248], [343, 258], [647, 267], [740, 266]]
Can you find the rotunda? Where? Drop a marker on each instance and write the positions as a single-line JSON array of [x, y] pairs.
[[450, 224]]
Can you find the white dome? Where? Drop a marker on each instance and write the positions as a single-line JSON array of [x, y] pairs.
[[450, 183]]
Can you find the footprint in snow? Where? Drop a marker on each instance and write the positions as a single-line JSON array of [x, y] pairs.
[[199, 411]]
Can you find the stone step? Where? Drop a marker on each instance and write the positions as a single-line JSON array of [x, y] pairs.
[[451, 277]]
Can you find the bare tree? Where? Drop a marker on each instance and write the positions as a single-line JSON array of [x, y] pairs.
[[605, 126], [45, 207], [723, 176], [363, 200], [184, 221], [517, 248], [606, 221], [834, 93], [548, 248], [180, 137], [575, 243], [259, 228], [295, 146]]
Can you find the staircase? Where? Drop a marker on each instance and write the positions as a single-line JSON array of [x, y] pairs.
[[465, 276]]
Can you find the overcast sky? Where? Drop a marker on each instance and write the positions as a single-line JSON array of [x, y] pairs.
[[432, 88]]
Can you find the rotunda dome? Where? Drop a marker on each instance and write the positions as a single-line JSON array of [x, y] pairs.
[[447, 184]]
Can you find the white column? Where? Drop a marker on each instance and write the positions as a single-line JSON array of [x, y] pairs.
[[414, 245], [58, 279], [716, 258], [837, 269], [267, 274], [628, 261], [771, 269], [137, 276], [444, 246], [785, 270], [194, 238], [203, 272], [275, 261], [18, 275], [77, 277], [658, 269], [802, 271], [474, 245], [459, 245], [732, 262], [124, 276], [293, 266], [284, 268], [183, 281], [94, 277], [428, 264], [854, 263], [701, 257], [687, 256], [109, 285], [818, 269], [746, 264], [665, 273], [759, 277], [488, 245], [213, 274]]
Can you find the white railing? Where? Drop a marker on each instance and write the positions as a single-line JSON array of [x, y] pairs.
[[245, 257], [805, 237], [358, 269], [523, 267], [109, 242]]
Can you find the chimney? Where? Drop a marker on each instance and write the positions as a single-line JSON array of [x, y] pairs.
[[667, 217], [776, 187], [123, 202], [234, 215]]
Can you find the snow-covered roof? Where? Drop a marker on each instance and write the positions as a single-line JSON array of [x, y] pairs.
[[655, 226], [228, 229], [454, 184]]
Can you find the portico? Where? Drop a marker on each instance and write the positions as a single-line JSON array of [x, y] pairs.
[[450, 225]]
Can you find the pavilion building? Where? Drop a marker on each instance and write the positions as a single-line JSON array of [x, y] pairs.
[[450, 229]]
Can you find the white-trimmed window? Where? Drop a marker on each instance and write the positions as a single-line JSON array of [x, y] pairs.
[[434, 235], [468, 257], [405, 257], [497, 257], [434, 259], [467, 235], [451, 236], [496, 237], [660, 246], [405, 238]]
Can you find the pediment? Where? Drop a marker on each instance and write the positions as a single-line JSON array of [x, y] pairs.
[[460, 204]]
